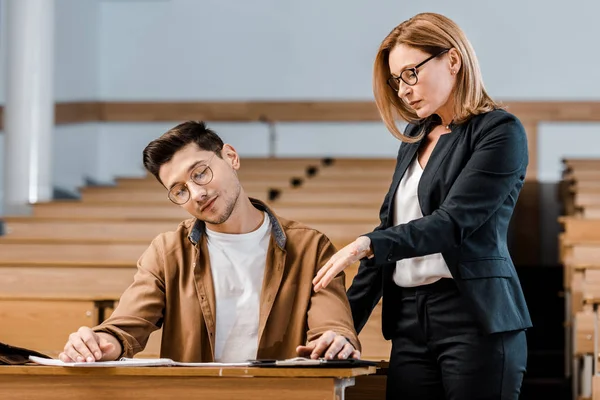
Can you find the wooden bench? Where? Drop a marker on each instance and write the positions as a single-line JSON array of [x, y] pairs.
[[48, 231], [169, 212], [59, 253], [140, 196], [253, 185], [85, 252], [85, 295], [28, 229], [89, 275], [41, 305], [300, 196], [579, 252]]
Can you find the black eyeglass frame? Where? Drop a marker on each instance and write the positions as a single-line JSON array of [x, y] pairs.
[[414, 71]]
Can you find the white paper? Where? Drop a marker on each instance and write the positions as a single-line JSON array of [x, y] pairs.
[[299, 361], [133, 362], [137, 362]]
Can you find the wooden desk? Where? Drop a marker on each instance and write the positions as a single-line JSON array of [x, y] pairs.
[[589, 372], [596, 388], [37, 382]]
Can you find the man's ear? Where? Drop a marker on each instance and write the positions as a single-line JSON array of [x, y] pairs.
[[229, 154]]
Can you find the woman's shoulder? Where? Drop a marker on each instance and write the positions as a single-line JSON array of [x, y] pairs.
[[496, 125], [491, 119]]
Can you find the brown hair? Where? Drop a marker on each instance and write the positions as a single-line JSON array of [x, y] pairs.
[[430, 33], [161, 150]]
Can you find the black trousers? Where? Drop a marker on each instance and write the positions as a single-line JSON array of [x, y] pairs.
[[438, 352]]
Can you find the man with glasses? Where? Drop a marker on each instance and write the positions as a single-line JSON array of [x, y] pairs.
[[232, 283]]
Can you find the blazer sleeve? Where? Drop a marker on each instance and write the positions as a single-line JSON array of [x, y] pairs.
[[140, 309], [497, 165], [367, 286], [329, 308]]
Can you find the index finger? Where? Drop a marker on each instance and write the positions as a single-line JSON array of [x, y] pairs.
[[79, 346], [335, 269], [322, 344], [91, 340], [322, 271]]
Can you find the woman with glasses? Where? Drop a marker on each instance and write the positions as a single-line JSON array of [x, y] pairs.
[[453, 306]]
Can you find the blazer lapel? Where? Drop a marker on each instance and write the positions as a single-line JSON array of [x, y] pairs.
[[441, 150], [405, 159]]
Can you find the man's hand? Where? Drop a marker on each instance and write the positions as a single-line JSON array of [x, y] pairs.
[[85, 345], [330, 345]]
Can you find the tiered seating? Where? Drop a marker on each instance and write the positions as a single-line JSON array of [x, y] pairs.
[[579, 251], [358, 187], [67, 264]]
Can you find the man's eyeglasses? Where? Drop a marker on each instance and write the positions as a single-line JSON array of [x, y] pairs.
[[409, 75], [200, 175]]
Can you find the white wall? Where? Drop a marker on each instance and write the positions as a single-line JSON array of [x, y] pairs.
[[324, 49], [310, 50], [1, 172], [2, 94], [76, 50], [76, 79], [564, 140], [366, 139], [76, 156], [121, 144]]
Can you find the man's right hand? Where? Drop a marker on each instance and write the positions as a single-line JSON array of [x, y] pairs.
[[87, 345]]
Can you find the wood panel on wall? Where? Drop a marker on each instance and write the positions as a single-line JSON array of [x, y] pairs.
[[291, 111], [531, 113]]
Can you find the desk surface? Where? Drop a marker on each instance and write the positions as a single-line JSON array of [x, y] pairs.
[[40, 370], [125, 383]]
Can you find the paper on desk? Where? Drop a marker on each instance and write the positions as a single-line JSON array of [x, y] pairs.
[[134, 362], [299, 361]]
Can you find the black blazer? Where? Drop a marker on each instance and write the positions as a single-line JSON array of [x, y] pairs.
[[467, 194]]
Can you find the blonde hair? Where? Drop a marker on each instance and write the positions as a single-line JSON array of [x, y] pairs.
[[430, 33]]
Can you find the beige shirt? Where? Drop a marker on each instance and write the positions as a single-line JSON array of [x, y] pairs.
[[173, 289]]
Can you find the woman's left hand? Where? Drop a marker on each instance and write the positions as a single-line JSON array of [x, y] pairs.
[[347, 256]]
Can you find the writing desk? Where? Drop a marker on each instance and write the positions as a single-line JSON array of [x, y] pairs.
[[60, 383]]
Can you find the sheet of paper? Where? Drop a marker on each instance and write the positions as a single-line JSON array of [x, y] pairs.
[[134, 362], [298, 361], [194, 364], [211, 364]]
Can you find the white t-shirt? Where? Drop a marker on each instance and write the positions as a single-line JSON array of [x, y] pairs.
[[238, 266], [415, 271]]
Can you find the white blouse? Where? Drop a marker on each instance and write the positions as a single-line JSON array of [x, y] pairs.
[[415, 271]]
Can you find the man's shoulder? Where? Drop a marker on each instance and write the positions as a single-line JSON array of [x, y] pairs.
[[301, 234], [176, 238]]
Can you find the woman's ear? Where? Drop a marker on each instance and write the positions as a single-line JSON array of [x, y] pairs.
[[455, 61], [231, 156]]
